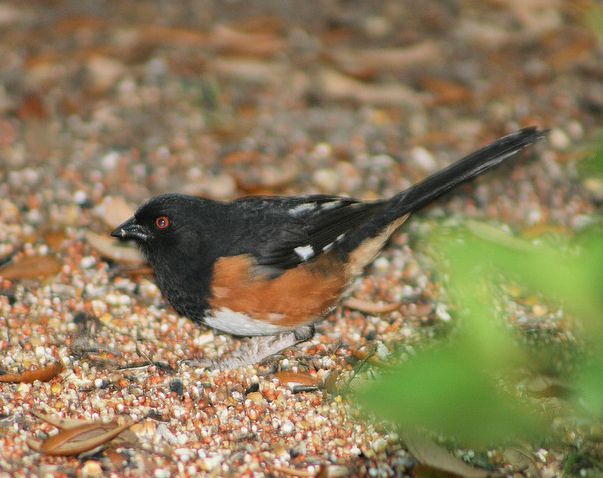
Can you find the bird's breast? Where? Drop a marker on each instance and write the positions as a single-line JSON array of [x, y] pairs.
[[245, 302]]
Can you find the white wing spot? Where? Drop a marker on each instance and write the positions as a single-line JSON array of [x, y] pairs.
[[330, 205], [304, 252], [331, 244], [302, 208]]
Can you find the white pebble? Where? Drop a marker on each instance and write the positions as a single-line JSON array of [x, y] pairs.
[[109, 160], [99, 307], [80, 197], [327, 179], [381, 264], [322, 150], [559, 139], [442, 312], [423, 158], [287, 427], [379, 445], [382, 351], [87, 262]]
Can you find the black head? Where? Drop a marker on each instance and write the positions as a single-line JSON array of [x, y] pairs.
[[163, 222]]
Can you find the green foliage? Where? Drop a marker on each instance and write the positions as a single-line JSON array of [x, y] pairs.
[[464, 386], [592, 166], [594, 19]]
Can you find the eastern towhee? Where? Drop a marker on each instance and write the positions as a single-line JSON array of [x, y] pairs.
[[273, 266]]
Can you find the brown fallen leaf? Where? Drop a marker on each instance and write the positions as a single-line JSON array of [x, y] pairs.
[[113, 210], [74, 23], [547, 386], [521, 460], [253, 71], [229, 40], [335, 86], [32, 108], [369, 307], [433, 456], [32, 267], [160, 35], [294, 472], [44, 374], [292, 379], [76, 437], [54, 238], [446, 92], [114, 250], [134, 271], [267, 179], [535, 16], [368, 62], [56, 421]]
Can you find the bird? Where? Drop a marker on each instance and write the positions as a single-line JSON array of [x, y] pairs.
[[270, 267]]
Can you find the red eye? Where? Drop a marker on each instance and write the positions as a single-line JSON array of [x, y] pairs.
[[162, 222]]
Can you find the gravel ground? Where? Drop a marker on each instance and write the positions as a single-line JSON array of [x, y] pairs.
[[130, 99]]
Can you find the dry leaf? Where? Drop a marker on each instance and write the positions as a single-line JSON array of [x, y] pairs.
[[520, 460], [368, 62], [535, 16], [44, 374], [32, 267], [229, 40], [55, 239], [160, 35], [335, 86], [446, 92], [546, 386], [135, 271], [56, 421], [113, 211], [76, 437], [74, 23], [32, 107], [114, 250], [432, 455], [264, 179], [295, 472], [292, 379], [253, 71], [369, 307]]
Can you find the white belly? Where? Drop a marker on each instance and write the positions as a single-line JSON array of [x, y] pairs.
[[238, 323]]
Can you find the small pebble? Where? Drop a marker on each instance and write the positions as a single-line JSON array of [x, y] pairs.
[[287, 427], [559, 139]]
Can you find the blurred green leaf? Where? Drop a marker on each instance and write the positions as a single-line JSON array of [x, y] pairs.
[[453, 387], [448, 390], [592, 165], [594, 19]]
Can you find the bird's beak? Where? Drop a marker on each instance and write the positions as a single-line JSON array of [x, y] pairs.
[[131, 230]]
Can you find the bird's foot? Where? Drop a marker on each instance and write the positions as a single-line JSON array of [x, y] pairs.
[[256, 350]]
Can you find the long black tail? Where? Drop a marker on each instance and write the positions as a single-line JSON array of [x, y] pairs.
[[419, 195]]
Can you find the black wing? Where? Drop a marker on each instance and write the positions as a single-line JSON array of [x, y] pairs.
[[289, 231]]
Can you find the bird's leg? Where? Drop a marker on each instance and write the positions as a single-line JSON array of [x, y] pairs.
[[257, 349]]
